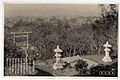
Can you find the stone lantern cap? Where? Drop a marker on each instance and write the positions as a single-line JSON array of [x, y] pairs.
[[107, 45], [58, 49]]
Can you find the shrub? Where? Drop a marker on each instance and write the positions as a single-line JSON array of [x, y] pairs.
[[81, 66], [95, 70]]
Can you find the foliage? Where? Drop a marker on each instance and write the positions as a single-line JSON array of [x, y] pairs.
[[95, 70], [74, 34], [10, 49], [47, 33], [81, 66], [106, 28]]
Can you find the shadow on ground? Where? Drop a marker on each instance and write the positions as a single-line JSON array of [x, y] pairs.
[[41, 73]]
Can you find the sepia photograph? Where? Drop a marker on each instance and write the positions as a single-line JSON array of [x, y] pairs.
[[76, 40]]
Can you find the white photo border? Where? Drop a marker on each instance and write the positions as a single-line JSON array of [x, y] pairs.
[[50, 2]]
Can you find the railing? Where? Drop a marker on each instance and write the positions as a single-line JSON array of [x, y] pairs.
[[19, 66]]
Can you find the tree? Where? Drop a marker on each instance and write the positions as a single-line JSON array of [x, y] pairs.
[[106, 28]]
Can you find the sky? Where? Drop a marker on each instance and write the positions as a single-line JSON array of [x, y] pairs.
[[12, 10]]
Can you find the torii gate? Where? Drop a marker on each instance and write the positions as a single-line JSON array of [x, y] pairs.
[[24, 44]]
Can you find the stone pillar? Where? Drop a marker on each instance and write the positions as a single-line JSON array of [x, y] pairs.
[[107, 57]]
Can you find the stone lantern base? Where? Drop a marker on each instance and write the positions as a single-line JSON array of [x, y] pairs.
[[107, 59], [57, 66]]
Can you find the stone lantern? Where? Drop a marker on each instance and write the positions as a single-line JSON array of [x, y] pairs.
[[107, 57], [57, 64]]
